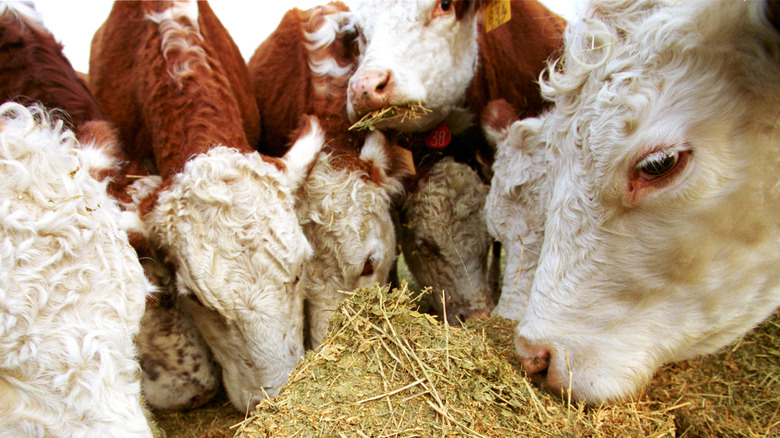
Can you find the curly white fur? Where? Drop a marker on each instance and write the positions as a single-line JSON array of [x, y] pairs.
[[180, 33], [228, 224], [347, 220], [625, 284], [71, 291], [520, 192]]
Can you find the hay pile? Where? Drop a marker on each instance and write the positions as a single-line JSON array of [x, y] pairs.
[[390, 113], [387, 370], [734, 393]]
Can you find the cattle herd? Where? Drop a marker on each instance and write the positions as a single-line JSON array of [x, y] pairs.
[[178, 218]]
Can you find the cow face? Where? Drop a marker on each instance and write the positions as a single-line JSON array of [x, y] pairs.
[[421, 52], [662, 231], [445, 242], [228, 225], [345, 213]]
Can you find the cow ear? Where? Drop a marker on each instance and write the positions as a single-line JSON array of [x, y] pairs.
[[389, 164], [302, 155], [497, 117]]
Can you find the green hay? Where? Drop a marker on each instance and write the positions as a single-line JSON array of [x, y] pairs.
[[386, 370], [366, 380], [215, 419], [390, 113]]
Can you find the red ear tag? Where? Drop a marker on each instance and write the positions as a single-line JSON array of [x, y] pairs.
[[439, 138]]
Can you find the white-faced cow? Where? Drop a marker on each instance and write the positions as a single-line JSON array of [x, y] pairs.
[[168, 75], [344, 205], [437, 53], [661, 233]]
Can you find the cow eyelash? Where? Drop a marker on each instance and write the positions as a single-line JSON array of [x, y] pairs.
[[444, 7], [656, 170], [660, 164]]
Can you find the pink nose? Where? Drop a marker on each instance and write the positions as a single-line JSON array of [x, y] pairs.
[[534, 359], [370, 90]]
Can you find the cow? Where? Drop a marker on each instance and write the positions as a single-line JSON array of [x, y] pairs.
[[446, 206], [72, 290], [173, 82], [344, 205], [658, 166], [177, 370], [33, 70], [439, 54]]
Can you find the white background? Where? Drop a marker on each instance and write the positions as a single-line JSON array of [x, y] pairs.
[[73, 22]]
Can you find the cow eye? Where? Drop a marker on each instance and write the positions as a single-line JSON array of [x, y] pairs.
[[443, 8], [368, 268], [427, 246], [658, 164]]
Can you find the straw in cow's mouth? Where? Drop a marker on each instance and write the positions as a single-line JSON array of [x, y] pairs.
[[399, 113]]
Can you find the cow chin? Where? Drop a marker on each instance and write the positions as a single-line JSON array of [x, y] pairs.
[[252, 367], [594, 373]]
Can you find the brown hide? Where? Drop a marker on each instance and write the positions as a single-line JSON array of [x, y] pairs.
[[512, 56], [235, 68], [34, 69], [162, 120], [285, 87], [281, 82]]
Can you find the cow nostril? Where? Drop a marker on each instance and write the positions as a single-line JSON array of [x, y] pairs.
[[383, 83], [535, 360]]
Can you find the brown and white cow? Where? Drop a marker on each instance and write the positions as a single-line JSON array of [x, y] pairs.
[[344, 205], [33, 70], [170, 78], [658, 170], [437, 53]]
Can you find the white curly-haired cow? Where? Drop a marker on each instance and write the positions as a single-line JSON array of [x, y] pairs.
[[72, 291], [661, 239], [440, 54], [344, 204], [176, 370], [171, 79]]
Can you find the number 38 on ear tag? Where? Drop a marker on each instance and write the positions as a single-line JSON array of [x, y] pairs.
[[439, 138]]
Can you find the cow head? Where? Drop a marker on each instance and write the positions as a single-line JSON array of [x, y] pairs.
[[662, 228], [449, 203], [345, 213], [421, 52], [228, 224], [517, 201]]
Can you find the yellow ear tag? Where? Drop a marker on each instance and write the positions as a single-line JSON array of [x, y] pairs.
[[497, 13]]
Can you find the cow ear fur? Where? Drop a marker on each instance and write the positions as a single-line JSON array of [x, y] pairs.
[[497, 117], [304, 152], [389, 165]]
